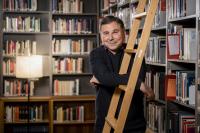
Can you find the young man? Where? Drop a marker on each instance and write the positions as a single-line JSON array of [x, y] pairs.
[[105, 61]]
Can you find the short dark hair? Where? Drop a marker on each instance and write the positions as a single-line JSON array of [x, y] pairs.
[[109, 19]]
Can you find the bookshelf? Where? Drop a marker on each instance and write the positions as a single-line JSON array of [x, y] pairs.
[[172, 59], [65, 31], [182, 23]]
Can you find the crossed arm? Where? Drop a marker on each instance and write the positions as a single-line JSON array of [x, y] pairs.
[[103, 76], [144, 88]]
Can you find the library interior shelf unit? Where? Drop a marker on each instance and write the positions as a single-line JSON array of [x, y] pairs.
[[65, 31]]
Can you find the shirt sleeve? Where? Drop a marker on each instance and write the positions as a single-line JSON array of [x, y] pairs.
[[102, 72]]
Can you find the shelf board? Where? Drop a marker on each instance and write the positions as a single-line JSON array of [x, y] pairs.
[[22, 32], [155, 64], [160, 101], [79, 35], [182, 61], [72, 74], [163, 28], [74, 98], [39, 98], [38, 121], [9, 76], [183, 104], [156, 29], [74, 122], [74, 14], [25, 12], [186, 18], [71, 55], [18, 122], [31, 122], [25, 99]]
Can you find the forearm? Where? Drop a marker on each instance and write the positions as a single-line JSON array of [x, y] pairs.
[[111, 79]]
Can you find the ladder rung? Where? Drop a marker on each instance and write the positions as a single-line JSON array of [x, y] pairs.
[[111, 121], [140, 15], [122, 87], [130, 51]]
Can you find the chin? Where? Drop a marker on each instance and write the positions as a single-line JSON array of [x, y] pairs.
[[113, 48]]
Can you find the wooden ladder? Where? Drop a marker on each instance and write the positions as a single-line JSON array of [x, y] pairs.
[[117, 124]]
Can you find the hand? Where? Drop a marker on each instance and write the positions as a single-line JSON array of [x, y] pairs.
[[94, 81], [147, 91]]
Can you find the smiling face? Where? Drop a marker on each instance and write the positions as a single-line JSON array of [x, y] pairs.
[[112, 36]]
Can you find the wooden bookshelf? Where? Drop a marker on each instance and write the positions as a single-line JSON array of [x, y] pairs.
[[47, 11]]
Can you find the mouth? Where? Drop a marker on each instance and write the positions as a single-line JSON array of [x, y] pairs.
[[112, 43]]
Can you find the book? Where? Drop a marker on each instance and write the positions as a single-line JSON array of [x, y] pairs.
[[170, 87], [173, 46]]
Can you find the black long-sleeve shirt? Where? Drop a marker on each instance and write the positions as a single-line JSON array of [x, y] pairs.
[[105, 67]]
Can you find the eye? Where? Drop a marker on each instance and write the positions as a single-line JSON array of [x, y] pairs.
[[105, 33], [115, 31]]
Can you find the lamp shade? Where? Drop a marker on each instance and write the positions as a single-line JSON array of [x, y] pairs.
[[29, 66]]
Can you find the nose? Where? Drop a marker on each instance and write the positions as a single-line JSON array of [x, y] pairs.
[[110, 37]]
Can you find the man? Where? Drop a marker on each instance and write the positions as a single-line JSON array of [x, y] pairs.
[[105, 61]]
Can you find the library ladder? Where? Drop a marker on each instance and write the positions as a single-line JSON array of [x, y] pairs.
[[117, 124]]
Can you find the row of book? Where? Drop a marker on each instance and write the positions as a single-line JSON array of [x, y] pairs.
[[160, 17], [180, 8], [181, 43], [124, 14], [73, 25], [180, 87], [156, 117], [71, 46], [63, 46], [23, 47], [22, 113], [156, 80], [107, 3], [9, 67], [185, 87], [156, 50], [18, 88], [67, 6], [67, 65], [20, 5], [181, 122], [67, 87], [69, 114], [22, 24]]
